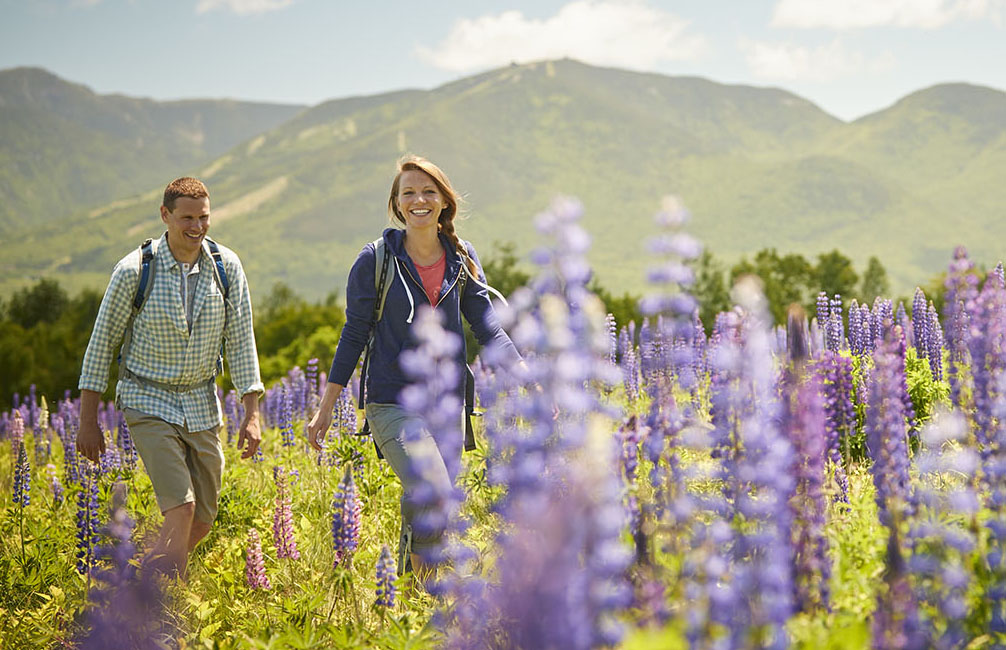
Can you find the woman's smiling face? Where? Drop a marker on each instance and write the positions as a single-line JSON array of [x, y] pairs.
[[420, 201]]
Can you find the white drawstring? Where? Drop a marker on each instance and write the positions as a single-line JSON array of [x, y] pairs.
[[412, 303], [483, 284]]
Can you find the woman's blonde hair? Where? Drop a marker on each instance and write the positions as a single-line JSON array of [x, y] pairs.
[[452, 200]]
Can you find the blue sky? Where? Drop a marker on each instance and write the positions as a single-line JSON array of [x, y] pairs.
[[851, 57]]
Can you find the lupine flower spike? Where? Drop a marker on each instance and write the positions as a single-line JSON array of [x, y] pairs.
[[255, 575], [385, 579]]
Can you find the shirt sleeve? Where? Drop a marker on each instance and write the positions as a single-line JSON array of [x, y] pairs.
[[109, 326], [480, 314], [239, 336], [361, 296]]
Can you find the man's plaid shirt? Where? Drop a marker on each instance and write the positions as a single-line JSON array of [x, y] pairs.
[[162, 349]]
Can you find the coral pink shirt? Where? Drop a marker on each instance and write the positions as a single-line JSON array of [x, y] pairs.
[[432, 277]]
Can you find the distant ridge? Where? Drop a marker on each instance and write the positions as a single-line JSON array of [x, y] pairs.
[[758, 167], [63, 147]]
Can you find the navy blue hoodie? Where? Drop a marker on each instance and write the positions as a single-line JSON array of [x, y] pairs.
[[385, 378]]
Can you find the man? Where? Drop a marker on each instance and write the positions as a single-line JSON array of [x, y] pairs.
[[169, 363]]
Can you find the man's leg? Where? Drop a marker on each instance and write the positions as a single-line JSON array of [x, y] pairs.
[[172, 550], [199, 530]]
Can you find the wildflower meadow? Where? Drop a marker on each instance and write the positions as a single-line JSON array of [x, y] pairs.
[[835, 482]]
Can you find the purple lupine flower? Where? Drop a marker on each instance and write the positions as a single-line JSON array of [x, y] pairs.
[[311, 396], [823, 309], [255, 576], [282, 519], [986, 343], [901, 318], [934, 343], [345, 413], [961, 285], [126, 603], [886, 432], [110, 462], [294, 383], [128, 446], [87, 518], [433, 395], [345, 519], [763, 551], [994, 467], [560, 564], [609, 322], [231, 415], [286, 414], [840, 415], [58, 493], [385, 571], [920, 320], [866, 323], [629, 365], [836, 330], [895, 620], [805, 420], [856, 343], [17, 429], [941, 544], [22, 478]]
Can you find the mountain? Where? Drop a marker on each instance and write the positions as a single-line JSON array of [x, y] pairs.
[[63, 147], [758, 167]]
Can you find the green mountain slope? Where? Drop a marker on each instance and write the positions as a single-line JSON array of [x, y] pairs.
[[758, 167], [63, 147]]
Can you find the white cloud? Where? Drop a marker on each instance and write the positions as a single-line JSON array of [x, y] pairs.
[[242, 7], [791, 62], [627, 33], [851, 14]]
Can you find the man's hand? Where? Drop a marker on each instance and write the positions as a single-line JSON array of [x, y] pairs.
[[90, 441], [250, 436], [318, 427]]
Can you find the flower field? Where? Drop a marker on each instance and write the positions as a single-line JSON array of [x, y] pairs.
[[837, 482]]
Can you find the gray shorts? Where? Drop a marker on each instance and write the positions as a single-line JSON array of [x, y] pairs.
[[418, 462], [184, 466]]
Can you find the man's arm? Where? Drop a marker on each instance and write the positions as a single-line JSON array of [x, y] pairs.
[[109, 326], [251, 431]]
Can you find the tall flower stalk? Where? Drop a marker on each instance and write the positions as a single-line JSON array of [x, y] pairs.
[[282, 519]]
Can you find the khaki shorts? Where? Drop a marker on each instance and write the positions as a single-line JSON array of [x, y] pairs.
[[183, 466]]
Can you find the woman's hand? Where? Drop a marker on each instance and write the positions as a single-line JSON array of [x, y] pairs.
[[318, 427]]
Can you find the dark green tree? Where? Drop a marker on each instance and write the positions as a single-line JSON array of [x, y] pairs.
[[785, 279], [710, 288], [834, 274], [43, 302], [875, 282]]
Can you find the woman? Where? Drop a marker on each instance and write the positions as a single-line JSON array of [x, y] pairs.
[[427, 263]]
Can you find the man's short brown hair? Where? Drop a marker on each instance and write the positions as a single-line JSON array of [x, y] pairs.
[[184, 186]]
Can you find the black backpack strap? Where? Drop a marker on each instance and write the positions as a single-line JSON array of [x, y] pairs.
[[381, 285], [469, 375]]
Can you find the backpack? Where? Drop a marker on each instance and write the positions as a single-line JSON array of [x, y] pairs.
[[143, 289], [383, 286]]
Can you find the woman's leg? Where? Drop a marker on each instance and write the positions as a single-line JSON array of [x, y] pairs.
[[427, 485]]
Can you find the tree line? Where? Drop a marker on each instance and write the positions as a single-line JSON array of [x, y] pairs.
[[44, 331]]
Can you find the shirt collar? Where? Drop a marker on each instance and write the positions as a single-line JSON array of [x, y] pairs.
[[168, 260]]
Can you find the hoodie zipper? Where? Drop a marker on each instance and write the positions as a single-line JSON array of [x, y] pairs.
[[443, 294]]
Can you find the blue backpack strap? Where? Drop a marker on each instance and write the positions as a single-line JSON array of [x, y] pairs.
[[220, 275], [143, 288], [146, 274], [219, 272]]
